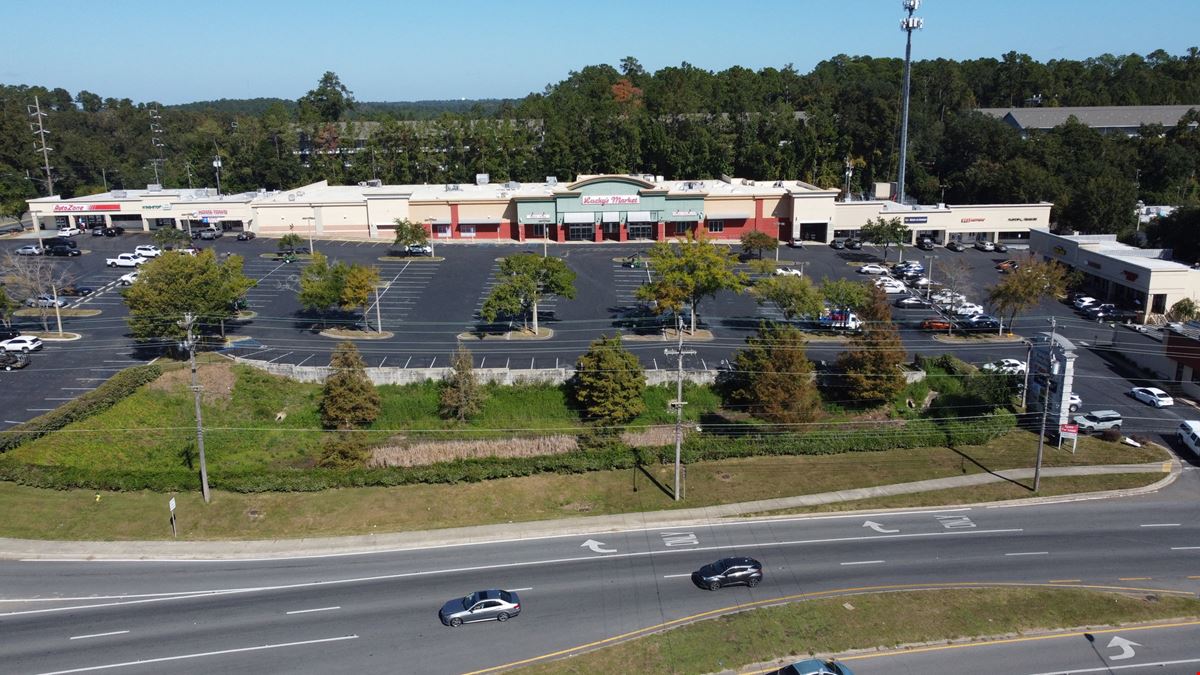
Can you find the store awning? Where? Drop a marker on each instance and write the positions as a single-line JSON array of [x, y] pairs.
[[730, 216], [579, 218], [479, 221], [541, 217], [639, 217], [610, 217]]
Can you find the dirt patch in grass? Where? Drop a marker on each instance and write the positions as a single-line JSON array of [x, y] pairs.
[[65, 312], [651, 436], [217, 380], [351, 334]]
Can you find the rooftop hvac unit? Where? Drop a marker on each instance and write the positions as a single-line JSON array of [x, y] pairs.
[[512, 185], [551, 180], [291, 198], [154, 187], [658, 179], [118, 194], [482, 179], [374, 182]]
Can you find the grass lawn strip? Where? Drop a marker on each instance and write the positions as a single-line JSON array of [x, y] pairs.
[[880, 620]]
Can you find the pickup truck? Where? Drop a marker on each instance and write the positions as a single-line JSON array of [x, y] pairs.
[[840, 320], [125, 260]]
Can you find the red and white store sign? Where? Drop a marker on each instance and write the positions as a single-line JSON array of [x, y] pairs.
[[610, 200], [80, 208], [212, 212]]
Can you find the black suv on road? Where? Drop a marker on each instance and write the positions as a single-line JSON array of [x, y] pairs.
[[728, 572]]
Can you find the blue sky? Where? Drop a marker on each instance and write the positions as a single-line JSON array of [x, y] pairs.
[[173, 51]]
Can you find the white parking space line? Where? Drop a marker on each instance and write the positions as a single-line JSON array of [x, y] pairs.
[[514, 590], [676, 576], [864, 562], [1160, 525], [310, 611], [1185, 548], [197, 655], [1029, 553], [96, 635]]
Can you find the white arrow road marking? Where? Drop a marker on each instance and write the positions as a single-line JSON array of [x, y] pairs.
[[878, 528], [597, 546], [1126, 647]]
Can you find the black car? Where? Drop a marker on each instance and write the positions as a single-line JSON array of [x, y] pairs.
[[728, 572], [62, 250], [956, 246], [245, 235], [854, 244], [913, 302], [925, 244], [7, 333], [13, 360], [838, 244], [1001, 248], [75, 291], [115, 231], [1118, 315], [58, 241]]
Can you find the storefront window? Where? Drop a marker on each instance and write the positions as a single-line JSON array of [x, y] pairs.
[[466, 231], [90, 220], [716, 226], [641, 231], [61, 221], [441, 230], [537, 230]]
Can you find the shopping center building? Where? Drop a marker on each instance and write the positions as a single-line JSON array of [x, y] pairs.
[[601, 208]]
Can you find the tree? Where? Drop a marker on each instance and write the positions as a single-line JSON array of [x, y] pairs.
[[525, 279], [886, 231], [461, 396], [343, 450], [844, 293], [794, 296], [871, 366], [349, 399], [757, 242], [290, 242], [328, 101], [772, 377], [1184, 310], [609, 382], [1027, 285], [410, 234], [170, 237], [175, 284], [7, 307], [955, 275], [34, 276], [687, 272], [321, 284], [358, 284]]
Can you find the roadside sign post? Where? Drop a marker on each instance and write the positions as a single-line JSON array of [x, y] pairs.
[[1070, 431], [171, 504]]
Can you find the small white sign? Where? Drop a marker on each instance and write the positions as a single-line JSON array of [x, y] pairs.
[[172, 504]]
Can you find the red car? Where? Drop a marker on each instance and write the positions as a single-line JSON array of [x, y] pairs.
[[935, 323]]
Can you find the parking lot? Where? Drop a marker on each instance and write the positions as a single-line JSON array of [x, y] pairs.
[[426, 304]]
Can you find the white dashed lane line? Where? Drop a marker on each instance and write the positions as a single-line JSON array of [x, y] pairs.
[[96, 635]]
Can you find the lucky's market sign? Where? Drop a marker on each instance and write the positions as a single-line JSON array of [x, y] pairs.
[[610, 200]]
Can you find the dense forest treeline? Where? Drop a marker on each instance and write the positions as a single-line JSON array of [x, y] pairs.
[[680, 122]]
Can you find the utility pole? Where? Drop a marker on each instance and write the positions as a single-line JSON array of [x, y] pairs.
[[929, 286], [188, 322], [188, 165], [1037, 469], [156, 131], [39, 130], [217, 166], [678, 403], [908, 24]]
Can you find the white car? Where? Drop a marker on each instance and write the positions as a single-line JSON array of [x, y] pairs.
[[984, 245], [1009, 366], [69, 231], [919, 282], [22, 343], [945, 297], [1083, 302], [967, 309], [30, 249], [872, 269], [1152, 396], [148, 251], [892, 287], [788, 272], [128, 279]]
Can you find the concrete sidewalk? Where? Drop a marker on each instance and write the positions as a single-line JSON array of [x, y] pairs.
[[282, 548]]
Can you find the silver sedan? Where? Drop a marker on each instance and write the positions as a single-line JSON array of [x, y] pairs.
[[492, 605]]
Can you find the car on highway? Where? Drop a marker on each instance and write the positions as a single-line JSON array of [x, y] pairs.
[[147, 251], [1152, 396], [913, 302], [936, 323], [814, 667], [872, 268], [787, 272], [1098, 420], [729, 572], [984, 245], [22, 343], [13, 360], [29, 249], [69, 231], [956, 246], [492, 605], [63, 251], [128, 279], [837, 244], [411, 249], [45, 300], [1010, 366], [1083, 302], [245, 235]]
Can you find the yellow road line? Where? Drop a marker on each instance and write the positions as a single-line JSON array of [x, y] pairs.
[[801, 596]]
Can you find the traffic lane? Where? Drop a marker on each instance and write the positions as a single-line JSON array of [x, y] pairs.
[[1130, 649]]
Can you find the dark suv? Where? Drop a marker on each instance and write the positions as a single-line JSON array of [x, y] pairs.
[[62, 250], [728, 572], [51, 242]]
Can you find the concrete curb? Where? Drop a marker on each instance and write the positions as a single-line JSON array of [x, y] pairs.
[[31, 549]]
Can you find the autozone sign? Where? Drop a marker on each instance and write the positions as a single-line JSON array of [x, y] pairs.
[[75, 208], [609, 200]]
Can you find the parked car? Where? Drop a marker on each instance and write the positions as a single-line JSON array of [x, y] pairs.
[[814, 667], [1083, 301], [891, 286], [728, 572], [1010, 366], [493, 605], [908, 265], [8, 333], [114, 231], [1095, 309], [13, 360], [98, 231], [22, 343], [45, 300], [69, 231], [872, 268], [60, 250], [788, 272], [128, 279], [948, 297], [795, 243], [76, 291], [210, 234], [854, 243], [1008, 266], [414, 249], [837, 244], [984, 245], [913, 302], [936, 323], [58, 241], [1001, 248], [925, 244], [245, 235], [956, 246], [1098, 420], [1152, 396], [967, 309], [918, 282], [125, 260], [1118, 315], [29, 249]]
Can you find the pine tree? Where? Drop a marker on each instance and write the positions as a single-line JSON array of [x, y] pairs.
[[343, 450], [871, 366], [349, 399], [461, 395], [609, 382], [773, 378]]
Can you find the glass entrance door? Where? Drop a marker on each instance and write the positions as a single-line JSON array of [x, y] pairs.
[[580, 232]]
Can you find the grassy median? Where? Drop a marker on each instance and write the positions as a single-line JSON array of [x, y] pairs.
[[837, 625]]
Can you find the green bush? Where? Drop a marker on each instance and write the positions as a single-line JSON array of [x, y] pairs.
[[90, 403]]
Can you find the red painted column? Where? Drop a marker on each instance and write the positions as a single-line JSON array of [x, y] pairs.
[[454, 221], [623, 232], [660, 231], [758, 208], [519, 231]]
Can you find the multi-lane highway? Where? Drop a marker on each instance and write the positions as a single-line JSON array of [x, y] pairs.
[[378, 612]]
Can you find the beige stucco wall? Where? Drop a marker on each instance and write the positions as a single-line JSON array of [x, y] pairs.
[[720, 207], [482, 210]]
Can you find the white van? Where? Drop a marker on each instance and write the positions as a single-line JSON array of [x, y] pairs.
[[1189, 435]]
